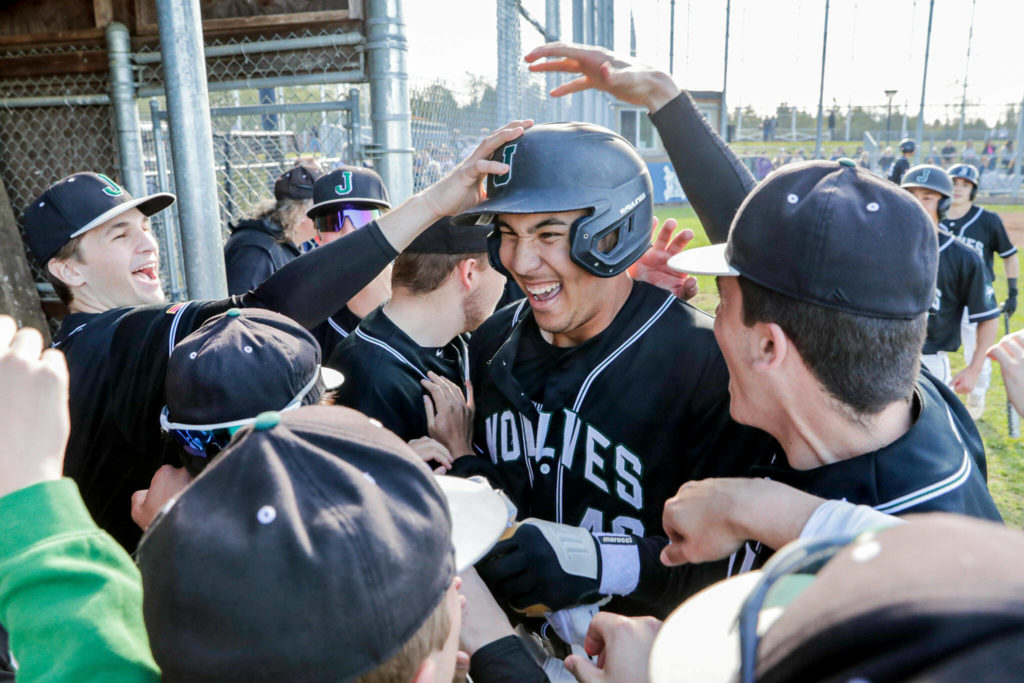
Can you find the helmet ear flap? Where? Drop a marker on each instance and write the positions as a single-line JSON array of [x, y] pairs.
[[494, 252], [974, 191]]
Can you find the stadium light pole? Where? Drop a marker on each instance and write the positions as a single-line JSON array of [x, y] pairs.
[[963, 98], [888, 119], [821, 86], [924, 82]]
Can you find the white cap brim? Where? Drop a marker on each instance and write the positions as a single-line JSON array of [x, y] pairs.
[[700, 641], [703, 261], [149, 205], [479, 518], [332, 378]]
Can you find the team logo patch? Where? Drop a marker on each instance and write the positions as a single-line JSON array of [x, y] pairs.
[[922, 176], [175, 308], [112, 189], [346, 183], [506, 156]]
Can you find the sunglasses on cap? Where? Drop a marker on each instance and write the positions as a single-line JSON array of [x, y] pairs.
[[334, 221], [783, 577], [206, 441]]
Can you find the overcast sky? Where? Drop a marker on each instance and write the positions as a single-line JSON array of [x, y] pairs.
[[774, 48]]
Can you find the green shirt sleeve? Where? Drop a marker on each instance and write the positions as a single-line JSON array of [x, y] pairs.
[[70, 597]]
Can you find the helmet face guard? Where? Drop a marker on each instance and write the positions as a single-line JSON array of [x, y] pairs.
[[568, 167]]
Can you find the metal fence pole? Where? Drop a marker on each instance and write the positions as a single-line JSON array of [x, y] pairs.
[[188, 107], [389, 95], [126, 115], [507, 86], [169, 235], [1017, 152], [553, 25]]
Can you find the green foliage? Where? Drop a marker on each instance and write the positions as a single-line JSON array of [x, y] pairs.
[[1005, 464]]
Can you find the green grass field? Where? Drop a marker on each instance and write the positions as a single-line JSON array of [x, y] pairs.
[[1005, 464]]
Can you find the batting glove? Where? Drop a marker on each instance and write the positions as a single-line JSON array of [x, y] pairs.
[[1010, 305], [543, 566]]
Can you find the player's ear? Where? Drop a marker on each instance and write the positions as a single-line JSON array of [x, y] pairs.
[[466, 272], [772, 346], [67, 271], [426, 672]]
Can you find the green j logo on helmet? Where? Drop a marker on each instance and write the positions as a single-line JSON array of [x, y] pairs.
[[506, 156]]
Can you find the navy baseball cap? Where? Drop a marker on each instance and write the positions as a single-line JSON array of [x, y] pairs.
[[76, 204], [348, 185], [444, 237], [242, 363], [313, 548], [297, 183], [833, 235]]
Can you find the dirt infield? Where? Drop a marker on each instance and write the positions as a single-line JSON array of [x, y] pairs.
[[1014, 223]]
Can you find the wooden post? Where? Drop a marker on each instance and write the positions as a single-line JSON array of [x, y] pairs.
[[18, 296]]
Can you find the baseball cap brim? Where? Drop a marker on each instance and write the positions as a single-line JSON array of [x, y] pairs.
[[700, 640], [479, 517], [332, 378], [148, 205], [320, 208], [703, 261]]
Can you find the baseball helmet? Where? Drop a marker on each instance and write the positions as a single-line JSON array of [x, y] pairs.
[[568, 166], [930, 177], [968, 173], [907, 145]]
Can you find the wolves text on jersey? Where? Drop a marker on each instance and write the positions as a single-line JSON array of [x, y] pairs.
[[563, 440]]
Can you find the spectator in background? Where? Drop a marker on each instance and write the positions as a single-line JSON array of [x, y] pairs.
[[885, 161], [1006, 156], [948, 153], [933, 156], [988, 157], [969, 154], [865, 160], [259, 245]]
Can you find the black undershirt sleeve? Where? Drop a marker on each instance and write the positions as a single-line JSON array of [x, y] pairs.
[[714, 179], [505, 660], [311, 288]]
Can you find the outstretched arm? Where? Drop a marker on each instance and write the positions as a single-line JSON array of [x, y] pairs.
[[348, 264], [713, 178]]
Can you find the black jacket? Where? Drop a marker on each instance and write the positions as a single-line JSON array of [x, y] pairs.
[[255, 250]]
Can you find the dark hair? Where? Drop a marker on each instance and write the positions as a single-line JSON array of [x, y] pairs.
[[423, 273], [68, 251], [864, 363]]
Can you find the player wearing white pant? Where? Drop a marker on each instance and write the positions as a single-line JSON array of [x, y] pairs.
[[984, 233]]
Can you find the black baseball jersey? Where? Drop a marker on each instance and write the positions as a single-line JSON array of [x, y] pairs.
[[937, 466], [118, 359], [898, 169], [383, 367], [334, 330], [255, 250], [602, 434], [960, 284], [982, 231]]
